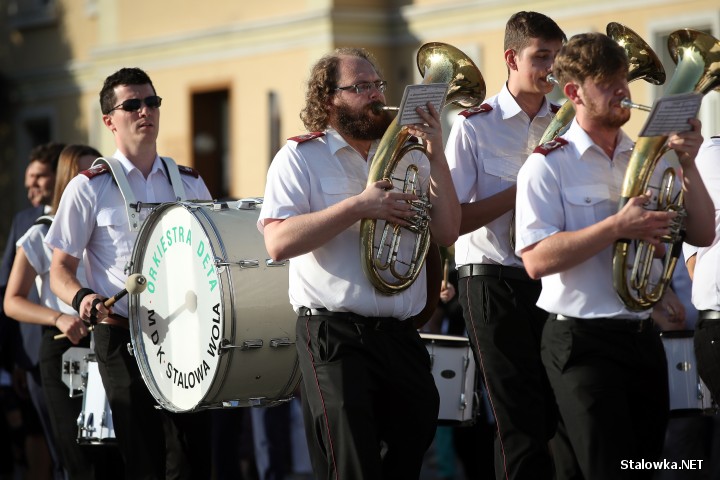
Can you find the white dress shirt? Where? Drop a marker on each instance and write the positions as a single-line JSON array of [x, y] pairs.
[[706, 278], [92, 219], [485, 152], [571, 188], [312, 176]]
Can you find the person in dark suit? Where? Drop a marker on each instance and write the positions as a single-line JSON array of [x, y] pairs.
[[21, 343]]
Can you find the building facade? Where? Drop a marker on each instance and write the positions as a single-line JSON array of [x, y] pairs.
[[232, 73]]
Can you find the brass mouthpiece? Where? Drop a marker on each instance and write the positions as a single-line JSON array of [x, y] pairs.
[[627, 103], [378, 108]]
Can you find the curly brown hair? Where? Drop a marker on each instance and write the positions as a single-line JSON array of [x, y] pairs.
[[322, 84], [590, 55]]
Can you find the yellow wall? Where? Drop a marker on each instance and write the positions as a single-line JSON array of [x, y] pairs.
[[252, 48]]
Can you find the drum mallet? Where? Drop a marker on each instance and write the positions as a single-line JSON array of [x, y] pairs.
[[134, 284]]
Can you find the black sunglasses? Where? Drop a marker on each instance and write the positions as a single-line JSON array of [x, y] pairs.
[[135, 104]]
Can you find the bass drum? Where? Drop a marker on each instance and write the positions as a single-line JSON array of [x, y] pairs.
[[213, 327]]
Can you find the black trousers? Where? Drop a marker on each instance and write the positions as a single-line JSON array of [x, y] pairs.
[[505, 326], [155, 444], [369, 399], [78, 461], [707, 353], [611, 386]]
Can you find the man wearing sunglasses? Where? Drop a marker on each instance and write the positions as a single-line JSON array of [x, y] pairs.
[[369, 398], [92, 223]]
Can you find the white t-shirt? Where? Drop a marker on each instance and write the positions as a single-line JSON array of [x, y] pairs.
[[92, 219], [485, 152], [311, 176]]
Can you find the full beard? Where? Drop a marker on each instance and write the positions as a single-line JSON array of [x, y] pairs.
[[362, 125]]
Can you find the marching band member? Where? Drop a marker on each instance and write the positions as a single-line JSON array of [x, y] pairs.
[[703, 267], [33, 260], [369, 398], [485, 149], [605, 362], [92, 225]]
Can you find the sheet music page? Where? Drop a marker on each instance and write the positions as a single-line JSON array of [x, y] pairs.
[[670, 114], [418, 96]]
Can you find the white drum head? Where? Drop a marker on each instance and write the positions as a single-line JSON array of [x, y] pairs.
[[178, 317]]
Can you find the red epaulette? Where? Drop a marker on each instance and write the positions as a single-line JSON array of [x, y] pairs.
[[548, 147], [188, 171], [554, 108], [96, 170], [307, 136], [484, 108]]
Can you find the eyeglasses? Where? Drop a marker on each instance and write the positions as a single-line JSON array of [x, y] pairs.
[[365, 87], [135, 104]]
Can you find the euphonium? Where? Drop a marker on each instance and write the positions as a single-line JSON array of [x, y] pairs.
[[389, 274], [697, 55], [643, 65]]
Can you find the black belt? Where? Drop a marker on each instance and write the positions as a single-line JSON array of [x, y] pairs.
[[624, 324], [377, 323], [709, 315], [501, 272]]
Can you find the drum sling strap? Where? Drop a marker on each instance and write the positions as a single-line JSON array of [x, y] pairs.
[[132, 207]]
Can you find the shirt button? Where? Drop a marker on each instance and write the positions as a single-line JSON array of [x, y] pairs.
[[588, 200]]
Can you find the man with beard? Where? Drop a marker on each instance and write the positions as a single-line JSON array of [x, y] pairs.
[[369, 399], [605, 362]]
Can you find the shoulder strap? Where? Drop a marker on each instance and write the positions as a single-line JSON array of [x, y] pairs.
[[484, 108], [118, 174], [307, 136], [548, 147], [44, 220], [174, 174]]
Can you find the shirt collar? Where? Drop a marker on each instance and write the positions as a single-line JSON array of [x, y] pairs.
[[583, 141], [510, 108], [128, 166], [336, 142]]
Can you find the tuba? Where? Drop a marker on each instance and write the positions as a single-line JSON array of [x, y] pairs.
[[697, 55], [389, 273], [643, 65]]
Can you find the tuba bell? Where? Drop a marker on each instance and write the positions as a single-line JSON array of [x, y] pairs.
[[382, 264], [643, 65], [697, 55]]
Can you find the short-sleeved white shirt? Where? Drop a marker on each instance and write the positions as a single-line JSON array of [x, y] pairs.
[[571, 188], [92, 219], [485, 152], [706, 277], [39, 256], [312, 176]]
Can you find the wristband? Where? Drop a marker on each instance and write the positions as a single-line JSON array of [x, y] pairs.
[[78, 298], [57, 318]]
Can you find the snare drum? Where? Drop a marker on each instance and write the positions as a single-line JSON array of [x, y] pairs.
[[688, 393], [453, 368], [214, 326], [95, 425]]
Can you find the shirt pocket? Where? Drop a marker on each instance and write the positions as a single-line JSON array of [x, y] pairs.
[[336, 189], [587, 204], [113, 222], [503, 168]]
